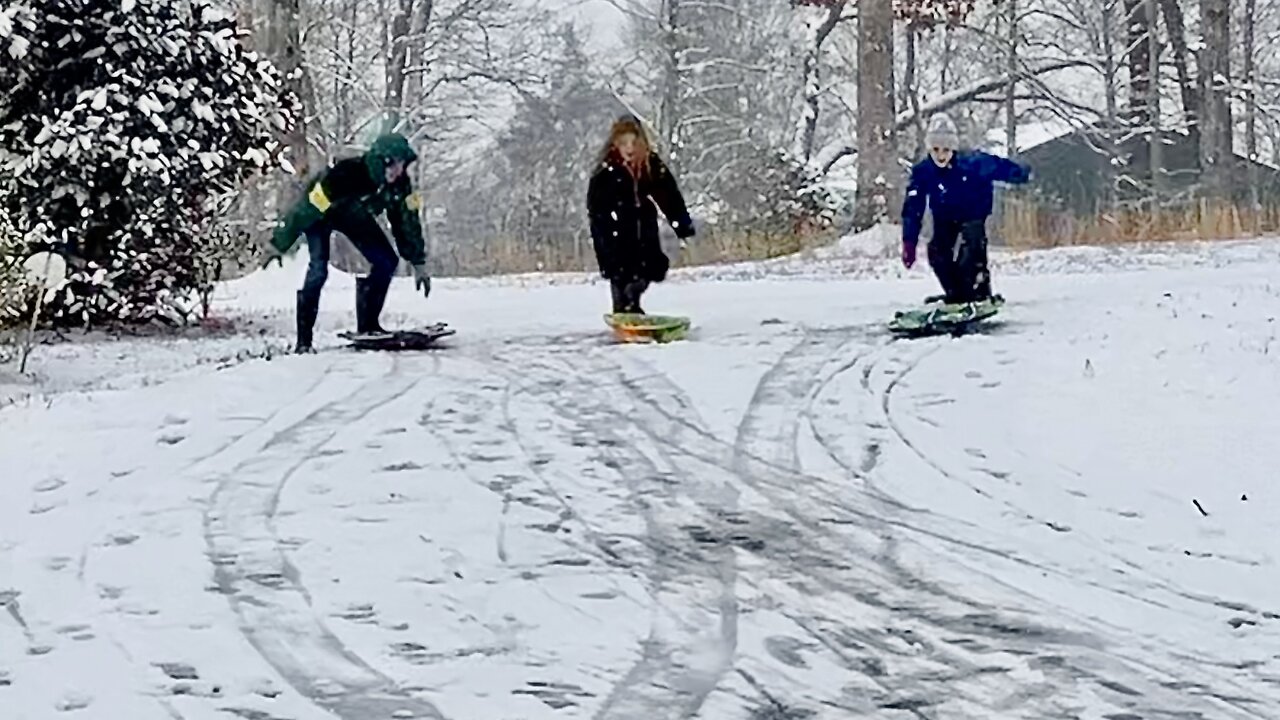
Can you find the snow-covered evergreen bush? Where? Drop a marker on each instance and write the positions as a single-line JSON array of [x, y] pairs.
[[12, 291], [122, 121]]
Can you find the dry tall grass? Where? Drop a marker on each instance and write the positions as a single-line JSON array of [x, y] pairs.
[[500, 256], [1026, 225]]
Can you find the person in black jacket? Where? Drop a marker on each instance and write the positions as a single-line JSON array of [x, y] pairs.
[[630, 184]]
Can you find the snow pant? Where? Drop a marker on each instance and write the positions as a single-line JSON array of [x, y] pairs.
[[958, 256], [371, 292], [626, 295]]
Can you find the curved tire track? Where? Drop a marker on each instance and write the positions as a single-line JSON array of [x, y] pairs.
[[682, 663], [1094, 666], [953, 631], [263, 586]]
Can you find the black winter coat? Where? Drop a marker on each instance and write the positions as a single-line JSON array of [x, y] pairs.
[[624, 219]]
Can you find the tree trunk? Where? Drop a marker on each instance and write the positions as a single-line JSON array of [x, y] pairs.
[[877, 192], [944, 73], [1138, 58], [1251, 104], [668, 121], [424, 13], [397, 61], [1155, 146], [1110, 72], [284, 33], [1191, 102], [813, 82], [1215, 79], [1011, 66], [912, 81]]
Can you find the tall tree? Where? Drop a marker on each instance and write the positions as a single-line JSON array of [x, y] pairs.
[[878, 176], [1215, 81], [1191, 101]]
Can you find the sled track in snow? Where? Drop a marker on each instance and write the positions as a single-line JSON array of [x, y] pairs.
[[670, 675], [1154, 697], [790, 543], [963, 632], [253, 570]]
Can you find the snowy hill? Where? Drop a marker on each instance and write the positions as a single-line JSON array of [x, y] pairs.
[[788, 516]]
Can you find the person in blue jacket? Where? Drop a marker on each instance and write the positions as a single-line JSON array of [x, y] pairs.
[[957, 186]]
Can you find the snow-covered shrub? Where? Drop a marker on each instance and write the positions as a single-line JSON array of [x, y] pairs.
[[11, 286], [123, 120]]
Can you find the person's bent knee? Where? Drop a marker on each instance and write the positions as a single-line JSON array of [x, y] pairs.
[[315, 279], [383, 267]]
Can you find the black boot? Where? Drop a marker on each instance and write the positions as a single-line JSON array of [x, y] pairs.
[[632, 293], [369, 301], [618, 289], [308, 308], [982, 291]]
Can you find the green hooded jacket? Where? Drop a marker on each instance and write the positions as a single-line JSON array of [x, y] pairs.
[[359, 185]]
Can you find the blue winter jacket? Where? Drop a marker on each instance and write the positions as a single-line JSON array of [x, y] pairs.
[[960, 192]]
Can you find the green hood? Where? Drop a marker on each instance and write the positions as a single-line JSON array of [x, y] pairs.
[[392, 146]]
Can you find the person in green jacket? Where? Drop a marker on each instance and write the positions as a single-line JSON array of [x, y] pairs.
[[346, 197]]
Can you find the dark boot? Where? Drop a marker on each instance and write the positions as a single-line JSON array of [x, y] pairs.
[[308, 308], [370, 297], [983, 289], [972, 280], [617, 289], [632, 293]]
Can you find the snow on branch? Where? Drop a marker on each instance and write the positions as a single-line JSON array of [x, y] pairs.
[[986, 85]]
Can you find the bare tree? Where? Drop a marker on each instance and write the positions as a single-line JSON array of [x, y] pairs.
[[1216, 152], [813, 88], [878, 175]]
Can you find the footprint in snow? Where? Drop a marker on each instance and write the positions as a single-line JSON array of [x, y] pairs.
[[121, 539], [775, 711], [178, 671], [57, 563], [77, 632], [787, 650], [48, 485], [73, 701], [401, 467], [41, 508], [361, 613]]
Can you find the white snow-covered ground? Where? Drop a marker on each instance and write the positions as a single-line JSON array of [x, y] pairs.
[[790, 515]]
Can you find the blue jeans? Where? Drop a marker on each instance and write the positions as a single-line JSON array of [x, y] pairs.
[[363, 231]]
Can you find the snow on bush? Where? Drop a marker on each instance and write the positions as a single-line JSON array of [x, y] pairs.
[[11, 276], [123, 122]]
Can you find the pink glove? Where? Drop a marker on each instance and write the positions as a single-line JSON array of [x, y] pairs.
[[908, 255]]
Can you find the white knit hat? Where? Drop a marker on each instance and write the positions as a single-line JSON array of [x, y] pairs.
[[942, 132]]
